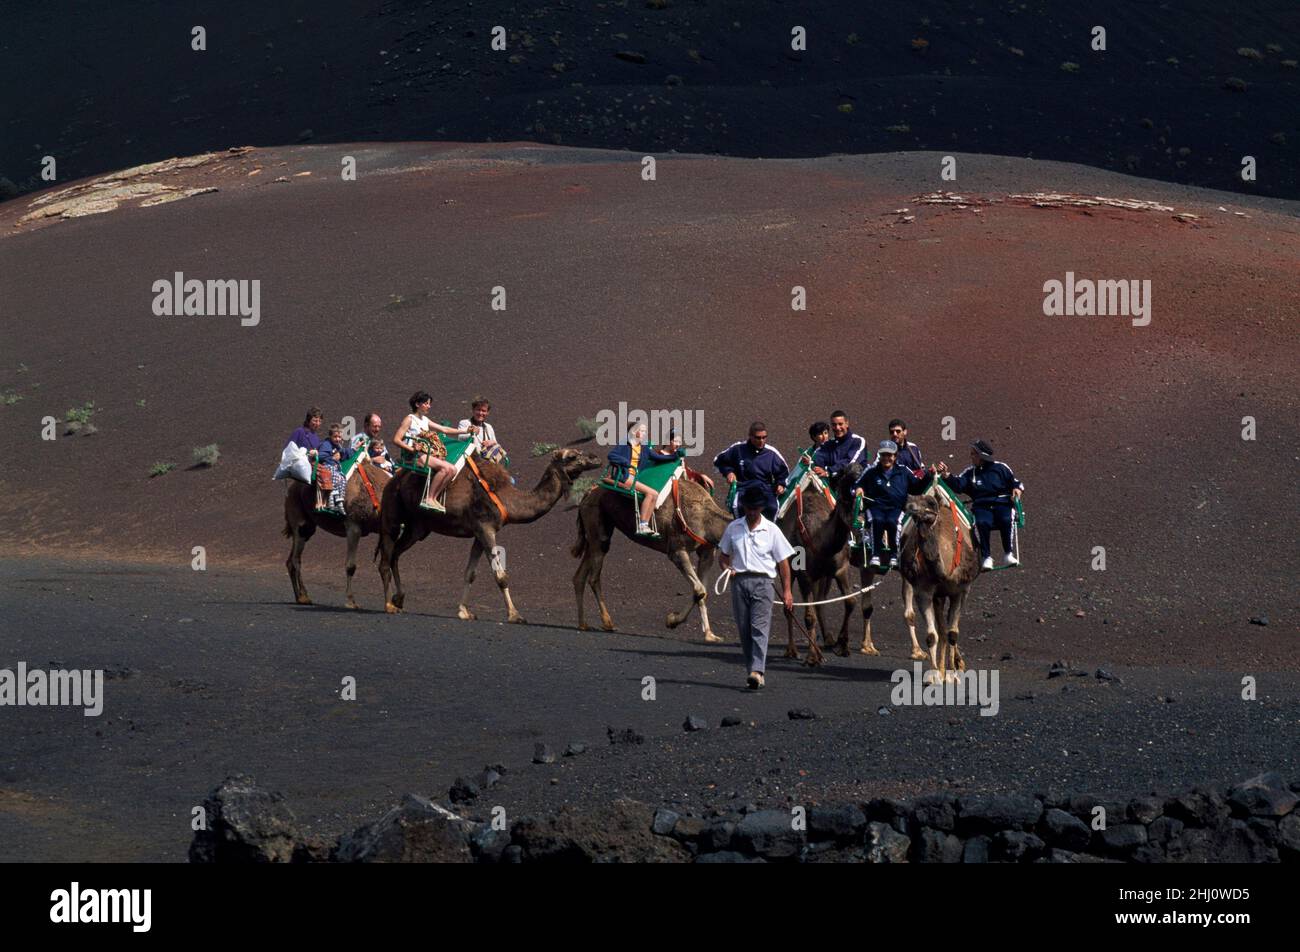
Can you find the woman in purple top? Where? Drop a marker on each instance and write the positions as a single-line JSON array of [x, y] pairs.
[[306, 435]]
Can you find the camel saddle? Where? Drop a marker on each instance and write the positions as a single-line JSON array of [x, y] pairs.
[[658, 476], [453, 451]]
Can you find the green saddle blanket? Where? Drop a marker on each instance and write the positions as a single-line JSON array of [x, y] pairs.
[[658, 476], [457, 452]]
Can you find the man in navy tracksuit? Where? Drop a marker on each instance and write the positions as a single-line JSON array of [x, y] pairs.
[[752, 462], [884, 488], [909, 454], [842, 449], [993, 489]]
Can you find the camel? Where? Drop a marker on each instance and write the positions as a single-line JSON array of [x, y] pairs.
[[939, 558], [822, 531], [301, 520], [471, 514], [680, 531]]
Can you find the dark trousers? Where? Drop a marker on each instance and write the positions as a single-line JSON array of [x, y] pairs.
[[986, 519], [882, 525]]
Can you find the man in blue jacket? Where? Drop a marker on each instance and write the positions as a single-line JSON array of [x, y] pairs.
[[885, 487], [909, 454], [842, 449], [752, 462], [993, 489], [630, 457]]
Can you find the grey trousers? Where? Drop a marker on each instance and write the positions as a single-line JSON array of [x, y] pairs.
[[751, 603]]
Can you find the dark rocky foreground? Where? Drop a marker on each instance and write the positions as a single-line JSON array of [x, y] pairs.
[[1254, 821]]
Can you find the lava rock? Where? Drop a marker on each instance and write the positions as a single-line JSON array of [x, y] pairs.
[[732, 721], [1163, 829], [626, 736], [886, 845], [245, 824], [938, 810], [1122, 838], [619, 833], [1145, 809], [976, 850], [981, 814], [836, 823], [727, 856], [664, 821], [462, 791], [1016, 846], [574, 749], [694, 722], [414, 831], [488, 779], [489, 845], [1264, 795], [717, 835], [1065, 830], [936, 846], [1260, 620], [802, 714], [770, 834], [543, 755]]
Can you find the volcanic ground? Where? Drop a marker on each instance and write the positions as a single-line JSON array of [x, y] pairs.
[[925, 300]]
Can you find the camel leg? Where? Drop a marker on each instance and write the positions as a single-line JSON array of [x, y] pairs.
[[703, 561], [955, 604], [579, 587], [868, 646], [909, 615], [597, 564], [354, 540], [682, 559], [294, 564], [925, 604], [842, 582], [485, 536], [471, 569], [393, 552]]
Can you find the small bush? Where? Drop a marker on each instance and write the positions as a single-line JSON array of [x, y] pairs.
[[587, 427], [1068, 67], [206, 455], [81, 415], [900, 128], [581, 486], [1249, 52], [920, 45], [1235, 84], [541, 449], [9, 398], [845, 107], [161, 469], [139, 403]]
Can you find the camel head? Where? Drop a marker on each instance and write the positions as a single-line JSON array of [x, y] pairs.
[[924, 510], [847, 477], [573, 462]]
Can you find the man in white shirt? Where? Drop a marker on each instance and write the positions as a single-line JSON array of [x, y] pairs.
[[756, 551], [486, 439]]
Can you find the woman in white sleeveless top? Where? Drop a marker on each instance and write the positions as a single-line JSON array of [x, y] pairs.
[[418, 424]]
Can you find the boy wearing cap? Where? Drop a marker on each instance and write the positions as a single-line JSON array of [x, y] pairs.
[[885, 487], [756, 551], [993, 490]]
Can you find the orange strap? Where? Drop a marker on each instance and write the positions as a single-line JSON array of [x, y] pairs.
[[677, 509], [956, 528], [488, 489], [374, 500]]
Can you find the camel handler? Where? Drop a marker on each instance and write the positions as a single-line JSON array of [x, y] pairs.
[[756, 551], [885, 487], [753, 463], [993, 490], [627, 458]]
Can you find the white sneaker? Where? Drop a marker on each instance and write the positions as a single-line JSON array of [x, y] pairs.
[[1010, 559], [893, 563], [987, 563], [875, 560]]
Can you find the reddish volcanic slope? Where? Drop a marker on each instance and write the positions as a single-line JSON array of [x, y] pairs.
[[675, 293]]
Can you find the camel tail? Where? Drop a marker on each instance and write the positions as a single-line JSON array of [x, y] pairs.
[[579, 547]]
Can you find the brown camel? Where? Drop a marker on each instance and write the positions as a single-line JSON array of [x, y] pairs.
[[301, 520], [822, 533], [471, 514], [603, 510], [938, 556]]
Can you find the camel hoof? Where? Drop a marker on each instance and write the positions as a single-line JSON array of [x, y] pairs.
[[712, 639], [303, 600], [842, 650], [353, 605], [918, 655], [869, 649], [931, 676], [584, 627], [791, 653], [464, 614], [517, 620], [607, 626], [392, 609], [672, 621]]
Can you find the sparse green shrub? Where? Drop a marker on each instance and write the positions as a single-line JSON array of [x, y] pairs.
[[206, 455], [81, 415], [9, 398], [1069, 67], [899, 128], [541, 449], [580, 488], [161, 469], [1235, 84], [1249, 52]]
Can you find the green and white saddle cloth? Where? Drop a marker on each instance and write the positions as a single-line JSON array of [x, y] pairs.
[[658, 476], [801, 477], [457, 452]]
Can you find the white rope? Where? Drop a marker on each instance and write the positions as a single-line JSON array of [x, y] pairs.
[[724, 578]]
